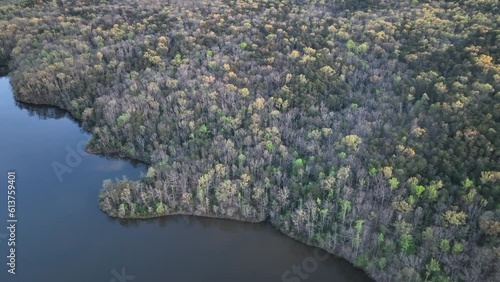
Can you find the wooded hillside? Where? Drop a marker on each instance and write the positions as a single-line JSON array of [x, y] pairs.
[[368, 128]]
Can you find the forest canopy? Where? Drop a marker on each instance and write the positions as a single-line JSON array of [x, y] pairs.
[[368, 128]]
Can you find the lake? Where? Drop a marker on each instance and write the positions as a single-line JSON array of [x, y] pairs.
[[62, 236]]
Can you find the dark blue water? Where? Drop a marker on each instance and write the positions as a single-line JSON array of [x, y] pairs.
[[62, 236]]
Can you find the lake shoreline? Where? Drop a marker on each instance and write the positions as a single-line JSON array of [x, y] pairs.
[[120, 155], [361, 127]]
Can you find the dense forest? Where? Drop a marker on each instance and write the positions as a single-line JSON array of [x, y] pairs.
[[369, 128]]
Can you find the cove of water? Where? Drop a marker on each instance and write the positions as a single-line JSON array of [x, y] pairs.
[[62, 236]]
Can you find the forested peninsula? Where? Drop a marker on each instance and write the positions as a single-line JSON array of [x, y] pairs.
[[368, 128]]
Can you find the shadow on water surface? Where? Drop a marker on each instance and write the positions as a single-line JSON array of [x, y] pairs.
[[46, 112]]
